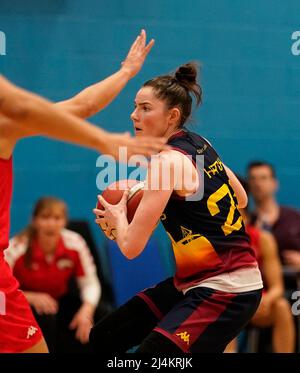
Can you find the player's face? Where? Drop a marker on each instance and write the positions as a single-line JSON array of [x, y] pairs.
[[49, 222], [150, 116], [262, 183]]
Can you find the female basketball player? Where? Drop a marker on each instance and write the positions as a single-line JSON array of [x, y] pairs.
[[217, 285], [23, 114]]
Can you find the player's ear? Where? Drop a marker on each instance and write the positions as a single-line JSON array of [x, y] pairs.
[[174, 115]]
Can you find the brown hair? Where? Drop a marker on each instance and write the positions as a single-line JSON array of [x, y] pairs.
[[30, 232], [254, 164], [178, 89]]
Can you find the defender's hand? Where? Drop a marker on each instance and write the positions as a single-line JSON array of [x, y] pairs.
[[137, 54]]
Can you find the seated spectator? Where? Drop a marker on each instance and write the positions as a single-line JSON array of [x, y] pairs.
[[45, 259], [274, 310], [282, 221]]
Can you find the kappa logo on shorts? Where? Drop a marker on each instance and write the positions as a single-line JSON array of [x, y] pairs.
[[184, 336], [31, 331]]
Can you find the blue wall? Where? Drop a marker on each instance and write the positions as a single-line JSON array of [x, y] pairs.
[[249, 75]]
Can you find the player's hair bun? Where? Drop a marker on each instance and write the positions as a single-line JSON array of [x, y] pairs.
[[187, 74]]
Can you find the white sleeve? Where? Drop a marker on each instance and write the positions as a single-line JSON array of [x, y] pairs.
[[16, 248], [90, 289], [89, 284]]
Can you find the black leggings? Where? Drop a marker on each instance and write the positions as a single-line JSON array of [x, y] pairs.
[[127, 327], [55, 328]]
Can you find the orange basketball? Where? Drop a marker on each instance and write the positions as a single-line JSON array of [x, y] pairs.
[[114, 193]]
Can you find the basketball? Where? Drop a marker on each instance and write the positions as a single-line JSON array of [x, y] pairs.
[[114, 193]]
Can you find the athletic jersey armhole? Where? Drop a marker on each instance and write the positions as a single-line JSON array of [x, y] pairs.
[[174, 194]]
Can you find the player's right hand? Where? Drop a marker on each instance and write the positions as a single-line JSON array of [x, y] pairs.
[[143, 145]]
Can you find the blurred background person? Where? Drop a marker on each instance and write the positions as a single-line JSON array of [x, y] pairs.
[[274, 310], [46, 258], [282, 221]]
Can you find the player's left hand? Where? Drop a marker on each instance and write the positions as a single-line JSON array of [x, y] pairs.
[[142, 146]]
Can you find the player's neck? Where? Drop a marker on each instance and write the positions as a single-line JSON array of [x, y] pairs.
[[172, 132], [268, 210], [47, 244], [267, 205]]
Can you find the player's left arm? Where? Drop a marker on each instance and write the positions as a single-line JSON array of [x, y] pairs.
[[239, 191], [90, 291], [271, 266], [97, 96]]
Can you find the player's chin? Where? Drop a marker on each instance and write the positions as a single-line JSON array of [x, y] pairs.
[[138, 133]]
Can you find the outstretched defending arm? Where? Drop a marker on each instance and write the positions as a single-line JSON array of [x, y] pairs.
[[96, 97], [29, 114]]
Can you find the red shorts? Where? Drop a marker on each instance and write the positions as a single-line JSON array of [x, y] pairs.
[[18, 329]]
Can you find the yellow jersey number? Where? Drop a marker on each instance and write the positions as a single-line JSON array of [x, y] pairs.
[[212, 204]]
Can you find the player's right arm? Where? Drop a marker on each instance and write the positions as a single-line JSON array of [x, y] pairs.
[[43, 303], [26, 114], [132, 238]]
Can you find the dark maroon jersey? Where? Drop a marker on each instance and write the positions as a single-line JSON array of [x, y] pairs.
[[208, 235]]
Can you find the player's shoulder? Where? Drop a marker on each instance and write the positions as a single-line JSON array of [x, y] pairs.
[[7, 136], [206, 140], [16, 249], [18, 242], [189, 140], [174, 157], [289, 212]]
